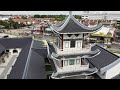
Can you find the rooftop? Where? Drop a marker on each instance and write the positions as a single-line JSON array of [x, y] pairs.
[[30, 62], [104, 59], [72, 25]]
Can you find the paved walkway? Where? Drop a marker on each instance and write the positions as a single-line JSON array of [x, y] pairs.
[[4, 73]]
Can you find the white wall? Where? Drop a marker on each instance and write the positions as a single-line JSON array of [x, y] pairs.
[[67, 51], [113, 71], [74, 50], [76, 47], [72, 37], [18, 49], [73, 68], [70, 68]]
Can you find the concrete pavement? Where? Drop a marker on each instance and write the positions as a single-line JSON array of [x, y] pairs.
[[9, 65]]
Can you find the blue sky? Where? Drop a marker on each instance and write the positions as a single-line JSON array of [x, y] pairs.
[[52, 12]]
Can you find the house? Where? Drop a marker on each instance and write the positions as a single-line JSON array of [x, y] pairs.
[[4, 17], [71, 57], [93, 22], [105, 34], [105, 15], [32, 20]]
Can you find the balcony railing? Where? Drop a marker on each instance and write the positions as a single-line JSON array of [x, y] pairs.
[[73, 68], [69, 51]]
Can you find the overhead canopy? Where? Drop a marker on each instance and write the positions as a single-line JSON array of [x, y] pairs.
[[72, 25]]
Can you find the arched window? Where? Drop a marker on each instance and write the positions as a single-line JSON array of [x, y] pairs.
[[7, 50], [15, 51]]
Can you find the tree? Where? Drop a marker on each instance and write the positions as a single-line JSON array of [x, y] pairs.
[[43, 16], [36, 16], [59, 17], [77, 17], [24, 17], [10, 24]]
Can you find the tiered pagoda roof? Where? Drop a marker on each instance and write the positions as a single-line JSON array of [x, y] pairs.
[[72, 25]]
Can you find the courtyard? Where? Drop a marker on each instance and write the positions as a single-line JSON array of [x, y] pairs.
[[6, 66]]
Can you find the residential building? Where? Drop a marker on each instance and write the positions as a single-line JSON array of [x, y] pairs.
[[96, 16], [106, 34]]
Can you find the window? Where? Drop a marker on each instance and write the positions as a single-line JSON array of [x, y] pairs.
[[66, 44], [77, 61], [66, 62], [82, 61], [72, 44], [78, 44], [15, 51], [61, 63], [71, 62]]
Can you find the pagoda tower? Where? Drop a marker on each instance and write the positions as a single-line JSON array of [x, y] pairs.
[[68, 54]]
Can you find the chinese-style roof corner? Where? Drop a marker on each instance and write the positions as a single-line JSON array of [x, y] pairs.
[[72, 25]]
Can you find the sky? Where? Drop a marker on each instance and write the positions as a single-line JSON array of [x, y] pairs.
[[52, 12]]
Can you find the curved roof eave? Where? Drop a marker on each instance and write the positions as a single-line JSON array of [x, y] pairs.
[[92, 29], [93, 54], [85, 27]]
